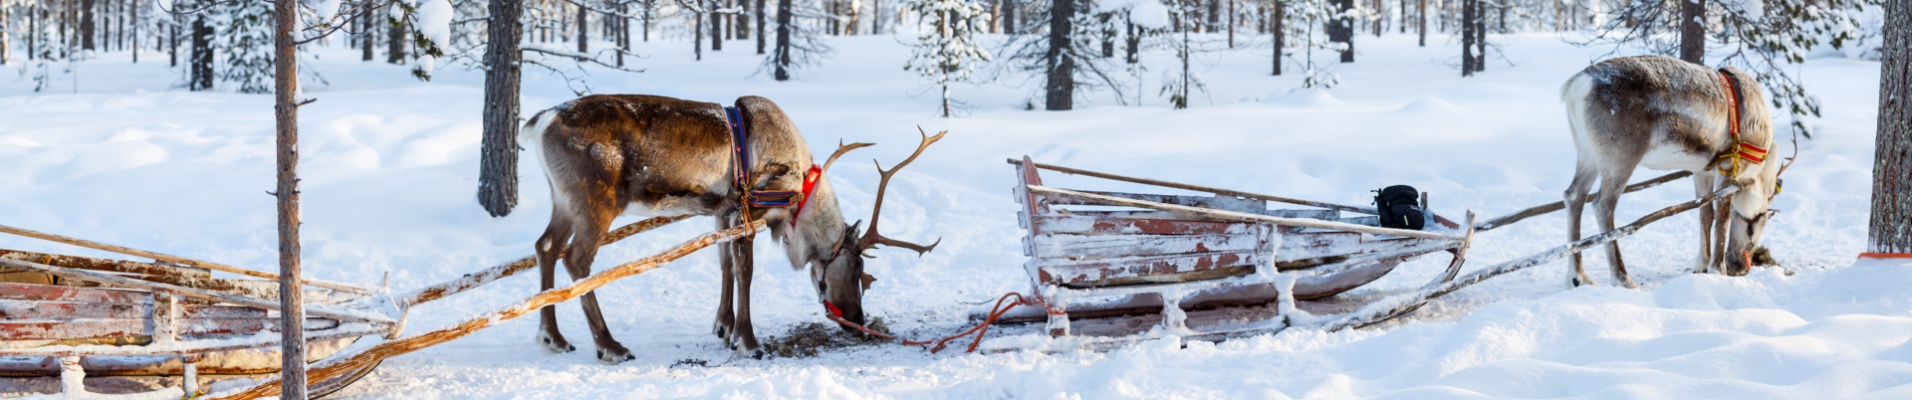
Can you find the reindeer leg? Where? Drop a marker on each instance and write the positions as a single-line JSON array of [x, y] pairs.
[[579, 265], [556, 238], [1611, 185], [725, 255], [1702, 186], [1576, 199], [746, 267]]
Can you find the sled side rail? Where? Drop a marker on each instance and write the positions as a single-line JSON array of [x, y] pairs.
[[1199, 188], [1240, 216], [177, 260]]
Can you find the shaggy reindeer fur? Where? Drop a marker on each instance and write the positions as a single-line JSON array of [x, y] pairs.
[[607, 155], [1667, 114]]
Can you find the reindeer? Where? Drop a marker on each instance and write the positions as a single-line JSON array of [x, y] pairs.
[[607, 155], [1668, 114]]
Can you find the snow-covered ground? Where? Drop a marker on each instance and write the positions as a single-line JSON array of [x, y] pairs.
[[390, 165]]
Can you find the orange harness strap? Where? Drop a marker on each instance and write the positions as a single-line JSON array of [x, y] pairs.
[[1731, 161]]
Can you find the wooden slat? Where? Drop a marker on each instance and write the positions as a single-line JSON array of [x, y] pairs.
[[1079, 225], [106, 279], [11, 309], [192, 277], [135, 330], [1093, 271], [28, 291], [1215, 202], [1078, 247]]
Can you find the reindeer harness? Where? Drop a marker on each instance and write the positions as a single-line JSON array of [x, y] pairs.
[[739, 142], [1742, 152]]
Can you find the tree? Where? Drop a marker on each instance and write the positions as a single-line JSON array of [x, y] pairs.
[[1890, 230], [498, 165], [1340, 28], [797, 45], [248, 45], [1693, 31], [946, 50], [1059, 57]]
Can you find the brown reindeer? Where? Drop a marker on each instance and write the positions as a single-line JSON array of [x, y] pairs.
[[1664, 113], [608, 155]]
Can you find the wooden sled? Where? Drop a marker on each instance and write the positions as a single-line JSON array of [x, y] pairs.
[[168, 329], [1116, 264]]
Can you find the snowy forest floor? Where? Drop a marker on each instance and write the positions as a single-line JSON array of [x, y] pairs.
[[390, 166]]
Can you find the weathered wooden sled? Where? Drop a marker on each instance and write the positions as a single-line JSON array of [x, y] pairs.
[[1110, 267], [67, 322], [1189, 263]]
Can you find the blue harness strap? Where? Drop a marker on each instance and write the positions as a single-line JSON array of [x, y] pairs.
[[739, 141]]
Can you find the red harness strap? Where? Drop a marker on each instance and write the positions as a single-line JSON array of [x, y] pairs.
[[739, 139], [1743, 150]]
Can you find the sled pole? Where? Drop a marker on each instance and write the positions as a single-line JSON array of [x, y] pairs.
[[394, 348], [1543, 209], [124, 282], [1391, 308], [473, 280]]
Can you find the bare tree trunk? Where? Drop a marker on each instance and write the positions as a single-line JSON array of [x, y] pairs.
[[697, 35], [1693, 31], [1009, 16], [1480, 35], [291, 308], [583, 29], [1059, 86], [1214, 16], [742, 21], [1890, 230], [5, 28], [201, 76], [760, 26], [498, 162], [1467, 37], [782, 72], [86, 23], [395, 49], [622, 32], [135, 34], [367, 35], [1341, 29], [1421, 13], [1281, 32], [716, 26], [1231, 24]]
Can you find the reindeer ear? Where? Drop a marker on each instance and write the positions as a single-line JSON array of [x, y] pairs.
[[867, 280]]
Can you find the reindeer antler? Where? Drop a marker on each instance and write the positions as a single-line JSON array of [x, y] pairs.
[[843, 148], [1795, 155], [871, 238]]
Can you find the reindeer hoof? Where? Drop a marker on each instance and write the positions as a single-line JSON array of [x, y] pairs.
[[722, 332], [614, 356], [555, 344], [756, 354], [1628, 283]]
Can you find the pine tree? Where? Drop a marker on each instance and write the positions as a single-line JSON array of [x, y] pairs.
[[246, 46], [946, 50]]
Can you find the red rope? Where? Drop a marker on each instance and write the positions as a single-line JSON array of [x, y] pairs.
[[1003, 305]]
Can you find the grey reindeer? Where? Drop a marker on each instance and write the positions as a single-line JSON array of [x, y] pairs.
[[1667, 114], [607, 155]]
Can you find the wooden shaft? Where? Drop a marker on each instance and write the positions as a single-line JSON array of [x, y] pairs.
[[1389, 309], [124, 282], [174, 259], [473, 280], [1557, 206], [1219, 191], [413, 343], [1241, 216]]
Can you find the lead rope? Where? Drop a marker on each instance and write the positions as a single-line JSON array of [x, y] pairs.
[[1003, 305]]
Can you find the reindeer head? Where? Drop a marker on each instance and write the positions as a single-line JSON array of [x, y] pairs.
[[1759, 183], [837, 271]]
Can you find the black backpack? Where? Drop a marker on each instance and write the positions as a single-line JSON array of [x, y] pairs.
[[1400, 207]]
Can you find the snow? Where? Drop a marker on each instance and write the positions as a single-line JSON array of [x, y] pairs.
[[390, 163]]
